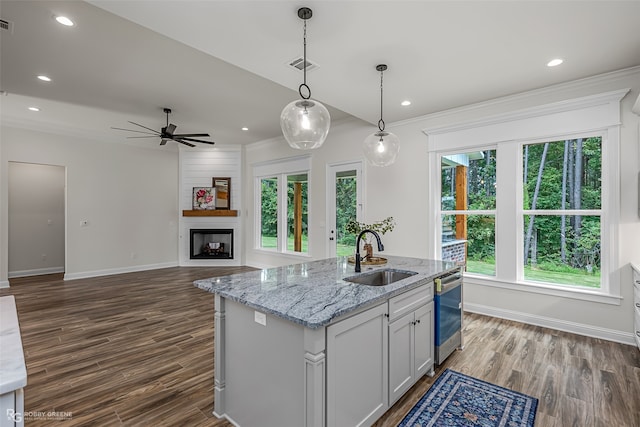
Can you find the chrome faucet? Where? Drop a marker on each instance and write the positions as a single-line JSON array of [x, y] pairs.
[[380, 246]]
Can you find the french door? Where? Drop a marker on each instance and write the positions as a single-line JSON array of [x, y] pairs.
[[344, 203]]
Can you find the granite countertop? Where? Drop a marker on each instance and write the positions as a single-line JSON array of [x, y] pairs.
[[314, 293], [13, 373]]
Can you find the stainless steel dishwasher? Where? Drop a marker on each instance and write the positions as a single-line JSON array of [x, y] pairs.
[[448, 315]]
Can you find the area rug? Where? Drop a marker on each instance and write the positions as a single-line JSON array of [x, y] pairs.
[[456, 399]]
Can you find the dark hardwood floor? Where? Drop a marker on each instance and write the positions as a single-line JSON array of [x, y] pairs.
[[137, 350]]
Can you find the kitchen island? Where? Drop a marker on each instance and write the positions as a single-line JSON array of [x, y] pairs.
[[299, 345], [13, 372]]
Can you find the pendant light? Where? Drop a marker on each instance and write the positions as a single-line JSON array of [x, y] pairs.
[[305, 123], [381, 148]]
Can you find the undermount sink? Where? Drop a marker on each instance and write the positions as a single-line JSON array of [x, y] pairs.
[[380, 277]]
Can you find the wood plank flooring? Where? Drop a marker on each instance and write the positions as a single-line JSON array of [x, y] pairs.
[[137, 350]]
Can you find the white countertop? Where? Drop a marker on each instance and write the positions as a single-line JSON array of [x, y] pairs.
[[13, 372], [315, 293]]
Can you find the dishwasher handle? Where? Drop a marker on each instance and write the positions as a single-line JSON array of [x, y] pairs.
[[446, 283]]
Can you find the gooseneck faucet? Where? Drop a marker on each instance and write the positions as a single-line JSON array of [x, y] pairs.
[[380, 246]]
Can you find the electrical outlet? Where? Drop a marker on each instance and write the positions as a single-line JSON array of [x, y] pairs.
[[260, 318]]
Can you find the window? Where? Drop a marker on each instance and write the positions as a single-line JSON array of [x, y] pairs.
[[561, 210], [468, 209], [297, 197], [282, 206], [551, 225], [269, 213]]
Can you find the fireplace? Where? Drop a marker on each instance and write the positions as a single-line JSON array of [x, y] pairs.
[[211, 243]]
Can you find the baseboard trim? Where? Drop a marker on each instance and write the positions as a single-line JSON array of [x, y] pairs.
[[548, 322], [4, 284], [111, 271], [35, 272]]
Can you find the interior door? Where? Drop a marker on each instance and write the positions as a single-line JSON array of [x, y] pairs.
[[344, 202]]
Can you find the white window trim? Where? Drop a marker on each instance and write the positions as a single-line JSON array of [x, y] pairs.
[[595, 114], [279, 169]]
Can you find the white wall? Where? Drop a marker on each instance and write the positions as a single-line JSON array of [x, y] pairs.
[[128, 195], [198, 167], [36, 219], [400, 191]]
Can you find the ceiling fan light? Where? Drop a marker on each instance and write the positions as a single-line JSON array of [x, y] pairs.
[[381, 148], [305, 124]]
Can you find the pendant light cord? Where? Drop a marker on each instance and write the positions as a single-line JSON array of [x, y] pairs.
[[304, 65], [381, 122]]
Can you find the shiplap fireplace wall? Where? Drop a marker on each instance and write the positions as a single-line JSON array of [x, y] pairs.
[[197, 168]]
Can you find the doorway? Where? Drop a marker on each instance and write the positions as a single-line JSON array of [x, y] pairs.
[[344, 203], [36, 204]]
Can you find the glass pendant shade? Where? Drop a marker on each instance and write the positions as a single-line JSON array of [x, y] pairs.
[[381, 148], [305, 124]]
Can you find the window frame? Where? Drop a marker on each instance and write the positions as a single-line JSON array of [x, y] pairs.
[[280, 169], [594, 115], [604, 219], [467, 212]]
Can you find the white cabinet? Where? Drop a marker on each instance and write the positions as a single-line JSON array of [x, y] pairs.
[[410, 349], [374, 357], [636, 303], [357, 369]]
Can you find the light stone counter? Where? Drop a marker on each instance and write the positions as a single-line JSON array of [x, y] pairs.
[[313, 294], [13, 373]]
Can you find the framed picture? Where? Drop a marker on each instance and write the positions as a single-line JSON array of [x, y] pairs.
[[204, 198], [223, 192]]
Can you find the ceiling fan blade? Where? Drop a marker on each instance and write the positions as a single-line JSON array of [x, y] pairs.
[[164, 141], [170, 129], [180, 135], [136, 131], [138, 124], [185, 143], [195, 140]]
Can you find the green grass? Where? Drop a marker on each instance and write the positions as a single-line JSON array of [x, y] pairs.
[[271, 242], [575, 277]]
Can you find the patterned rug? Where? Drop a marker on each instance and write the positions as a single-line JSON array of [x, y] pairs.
[[456, 399]]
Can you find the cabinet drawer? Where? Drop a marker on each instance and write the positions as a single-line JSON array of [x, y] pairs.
[[636, 302], [409, 301]]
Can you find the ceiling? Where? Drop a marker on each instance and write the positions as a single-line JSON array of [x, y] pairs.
[[222, 65]]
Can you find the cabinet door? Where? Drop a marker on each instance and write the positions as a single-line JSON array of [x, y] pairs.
[[423, 333], [357, 369], [401, 356]]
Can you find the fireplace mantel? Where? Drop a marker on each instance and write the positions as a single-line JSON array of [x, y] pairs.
[[216, 212]]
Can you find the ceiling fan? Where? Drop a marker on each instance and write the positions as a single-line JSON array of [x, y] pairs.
[[167, 133]]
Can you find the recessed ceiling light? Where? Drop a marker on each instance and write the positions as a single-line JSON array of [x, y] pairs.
[[245, 128], [405, 103], [44, 78], [34, 109], [554, 62], [64, 21]]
